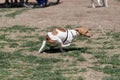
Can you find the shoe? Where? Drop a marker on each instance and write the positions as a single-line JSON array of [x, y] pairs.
[[39, 6]]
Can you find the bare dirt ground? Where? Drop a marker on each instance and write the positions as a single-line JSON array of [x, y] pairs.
[[69, 12]]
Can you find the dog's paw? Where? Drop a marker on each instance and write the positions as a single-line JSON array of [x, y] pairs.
[[62, 50]]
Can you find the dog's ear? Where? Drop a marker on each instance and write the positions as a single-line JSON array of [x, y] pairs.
[[83, 31]]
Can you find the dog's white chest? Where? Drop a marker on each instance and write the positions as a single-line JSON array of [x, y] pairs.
[[69, 38]]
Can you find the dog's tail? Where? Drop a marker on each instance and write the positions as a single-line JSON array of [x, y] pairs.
[[43, 45]]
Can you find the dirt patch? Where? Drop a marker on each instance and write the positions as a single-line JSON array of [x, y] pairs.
[[69, 13]]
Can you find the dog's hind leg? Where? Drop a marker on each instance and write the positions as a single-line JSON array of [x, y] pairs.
[[43, 45]]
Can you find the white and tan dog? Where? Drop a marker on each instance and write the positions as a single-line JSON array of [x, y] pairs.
[[63, 37], [104, 3]]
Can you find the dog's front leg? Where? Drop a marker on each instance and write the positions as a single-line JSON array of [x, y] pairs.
[[60, 47], [60, 43]]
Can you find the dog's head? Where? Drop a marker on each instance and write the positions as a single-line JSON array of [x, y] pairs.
[[83, 31]]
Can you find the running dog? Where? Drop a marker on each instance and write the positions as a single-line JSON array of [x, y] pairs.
[[100, 3], [63, 37]]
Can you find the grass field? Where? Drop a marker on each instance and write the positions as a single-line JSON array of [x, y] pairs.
[[95, 58], [19, 58], [12, 13]]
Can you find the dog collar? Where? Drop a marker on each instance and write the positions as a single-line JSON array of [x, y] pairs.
[[66, 37]]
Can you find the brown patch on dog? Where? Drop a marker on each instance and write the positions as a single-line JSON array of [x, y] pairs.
[[62, 29], [54, 32], [49, 40], [84, 31]]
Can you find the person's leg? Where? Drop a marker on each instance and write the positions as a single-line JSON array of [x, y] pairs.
[[39, 2], [93, 4], [26, 1], [105, 3], [7, 4], [12, 1], [21, 2], [16, 1], [42, 3], [46, 1], [6, 1]]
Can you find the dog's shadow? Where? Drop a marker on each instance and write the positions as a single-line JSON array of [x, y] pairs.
[[57, 50]]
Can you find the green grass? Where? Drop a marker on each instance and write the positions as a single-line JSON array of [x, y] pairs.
[[15, 13], [76, 55], [4, 10], [22, 62], [19, 28], [2, 45], [114, 71], [20, 66], [116, 36], [114, 60], [111, 67], [118, 0], [2, 37], [32, 45], [70, 70], [111, 78], [14, 29], [12, 12]]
